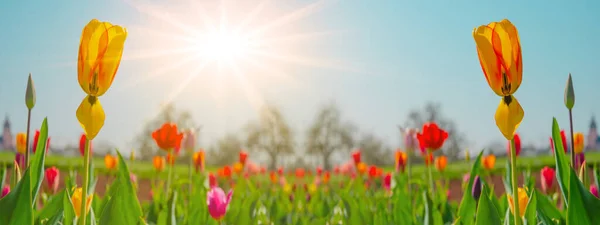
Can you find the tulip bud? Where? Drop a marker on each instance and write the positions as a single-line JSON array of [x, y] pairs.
[[476, 190], [569, 94], [5, 191], [30, 94], [593, 190], [467, 155]]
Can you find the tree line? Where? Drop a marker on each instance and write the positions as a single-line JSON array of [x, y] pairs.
[[328, 135]]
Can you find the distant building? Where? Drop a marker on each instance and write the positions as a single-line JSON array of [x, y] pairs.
[[593, 140], [6, 140]]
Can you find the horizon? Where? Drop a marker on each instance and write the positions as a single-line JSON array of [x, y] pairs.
[[376, 61]]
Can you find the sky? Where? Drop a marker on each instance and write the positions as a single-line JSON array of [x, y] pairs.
[[375, 59]]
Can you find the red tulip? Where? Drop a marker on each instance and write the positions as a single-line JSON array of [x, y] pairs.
[[280, 171], [594, 190], [319, 171], [372, 171], [212, 180], [299, 173], [517, 139], [52, 177], [36, 136], [356, 156], [563, 138], [243, 157], [387, 181], [432, 137], [82, 145], [336, 169], [548, 175]]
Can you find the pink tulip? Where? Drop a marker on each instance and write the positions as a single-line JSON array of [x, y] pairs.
[[133, 178], [52, 176], [5, 191], [217, 202], [593, 189], [466, 177]]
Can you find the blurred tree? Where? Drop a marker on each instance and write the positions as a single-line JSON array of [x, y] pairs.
[[373, 151], [270, 134], [329, 134], [144, 143], [225, 151], [432, 112]]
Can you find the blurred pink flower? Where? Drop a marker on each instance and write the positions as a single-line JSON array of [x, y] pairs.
[[217, 202], [133, 177], [593, 189], [466, 177]]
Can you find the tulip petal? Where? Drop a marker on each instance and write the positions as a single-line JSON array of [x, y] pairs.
[[92, 47], [509, 116], [489, 61], [91, 116], [507, 47], [109, 63]]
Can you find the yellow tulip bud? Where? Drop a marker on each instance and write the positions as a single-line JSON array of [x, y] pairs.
[[90, 115], [522, 199], [76, 199]]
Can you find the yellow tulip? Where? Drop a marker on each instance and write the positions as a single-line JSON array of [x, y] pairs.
[[499, 51], [287, 188], [523, 200], [578, 140], [76, 201], [100, 51], [312, 188], [21, 142]]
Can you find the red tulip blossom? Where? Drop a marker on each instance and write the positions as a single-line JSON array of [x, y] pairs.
[[356, 156], [82, 145], [243, 157], [319, 171], [36, 136], [548, 175], [52, 176], [432, 137], [517, 140]]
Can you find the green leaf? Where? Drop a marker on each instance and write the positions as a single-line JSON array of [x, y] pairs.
[[53, 207], [37, 165], [576, 211], [547, 211], [487, 214], [562, 167], [123, 206], [531, 209], [467, 208]]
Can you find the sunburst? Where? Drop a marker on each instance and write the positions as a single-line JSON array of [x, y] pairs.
[[256, 41]]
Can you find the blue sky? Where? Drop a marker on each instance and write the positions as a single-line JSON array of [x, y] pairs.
[[375, 59]]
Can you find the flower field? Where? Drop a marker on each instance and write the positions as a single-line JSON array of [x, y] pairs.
[[559, 188]]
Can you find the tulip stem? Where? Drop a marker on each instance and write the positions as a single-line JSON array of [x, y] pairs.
[[408, 174], [572, 140], [27, 140], [431, 184], [168, 187], [515, 185], [84, 184]]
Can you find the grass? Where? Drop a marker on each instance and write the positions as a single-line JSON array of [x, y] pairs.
[[145, 169]]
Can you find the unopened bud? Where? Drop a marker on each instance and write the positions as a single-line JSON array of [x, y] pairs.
[[30, 94], [569, 93], [476, 190]]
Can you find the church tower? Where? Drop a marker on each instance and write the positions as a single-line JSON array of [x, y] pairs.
[[7, 138], [592, 135]]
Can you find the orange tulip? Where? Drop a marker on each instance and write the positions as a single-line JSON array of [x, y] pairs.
[[440, 163], [499, 51], [489, 162], [170, 158], [361, 167], [428, 158], [273, 177], [21, 143], [578, 139], [401, 159], [299, 173], [221, 172], [159, 163], [238, 167], [198, 158], [110, 162], [326, 177], [167, 137]]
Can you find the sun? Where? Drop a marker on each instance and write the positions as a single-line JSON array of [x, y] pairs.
[[222, 46]]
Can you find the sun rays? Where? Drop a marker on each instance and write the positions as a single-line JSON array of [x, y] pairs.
[[227, 45]]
